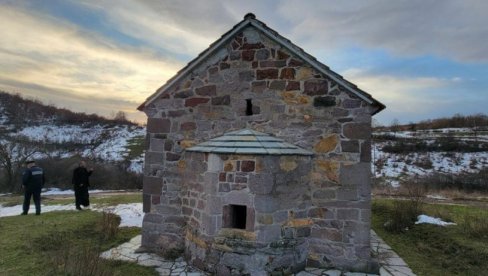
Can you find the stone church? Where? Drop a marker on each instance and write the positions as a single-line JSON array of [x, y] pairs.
[[258, 160]]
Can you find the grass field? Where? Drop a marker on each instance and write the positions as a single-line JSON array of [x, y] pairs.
[[460, 249], [66, 242], [100, 199]]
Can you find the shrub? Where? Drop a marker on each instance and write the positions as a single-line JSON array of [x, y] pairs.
[[405, 212], [109, 225]]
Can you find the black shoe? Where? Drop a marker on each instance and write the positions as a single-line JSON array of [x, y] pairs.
[[79, 208], [23, 213], [38, 214]]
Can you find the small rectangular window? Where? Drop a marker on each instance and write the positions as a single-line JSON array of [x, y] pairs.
[[249, 107], [235, 216]]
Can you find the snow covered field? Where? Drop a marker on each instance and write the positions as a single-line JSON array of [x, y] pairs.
[[393, 167]]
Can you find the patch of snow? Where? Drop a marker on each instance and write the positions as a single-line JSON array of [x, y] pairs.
[[57, 191], [5, 194], [432, 220], [130, 214], [438, 197]]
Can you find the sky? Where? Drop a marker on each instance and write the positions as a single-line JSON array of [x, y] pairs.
[[423, 59]]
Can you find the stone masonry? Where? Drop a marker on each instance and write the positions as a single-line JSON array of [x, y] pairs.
[[254, 80]]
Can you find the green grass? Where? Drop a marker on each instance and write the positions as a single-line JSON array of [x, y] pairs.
[[94, 199], [436, 250], [37, 245]]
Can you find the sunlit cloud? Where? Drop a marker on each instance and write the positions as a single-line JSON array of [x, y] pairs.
[[37, 49]]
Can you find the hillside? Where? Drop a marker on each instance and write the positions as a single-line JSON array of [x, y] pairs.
[[440, 158], [58, 138]]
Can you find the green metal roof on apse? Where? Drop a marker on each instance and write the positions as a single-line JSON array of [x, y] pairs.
[[248, 141]]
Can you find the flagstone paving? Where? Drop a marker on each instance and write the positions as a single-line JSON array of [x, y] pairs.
[[391, 263]]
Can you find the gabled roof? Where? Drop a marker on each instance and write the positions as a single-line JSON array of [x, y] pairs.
[[250, 20], [248, 141]]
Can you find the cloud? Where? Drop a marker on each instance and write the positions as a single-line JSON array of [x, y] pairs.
[[450, 29], [67, 60]]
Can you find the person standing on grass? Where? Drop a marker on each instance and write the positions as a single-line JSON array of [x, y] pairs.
[[81, 183], [32, 183]]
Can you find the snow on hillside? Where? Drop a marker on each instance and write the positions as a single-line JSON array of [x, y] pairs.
[[396, 166], [108, 143], [63, 134]]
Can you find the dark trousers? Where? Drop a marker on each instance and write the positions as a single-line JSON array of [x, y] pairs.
[[36, 194], [81, 196]]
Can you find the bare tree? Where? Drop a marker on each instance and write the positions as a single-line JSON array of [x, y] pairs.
[[14, 151]]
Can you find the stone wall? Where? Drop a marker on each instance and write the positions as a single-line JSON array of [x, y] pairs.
[[290, 100], [276, 194]]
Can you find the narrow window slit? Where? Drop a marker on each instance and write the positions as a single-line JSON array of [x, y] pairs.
[[238, 216], [249, 107]]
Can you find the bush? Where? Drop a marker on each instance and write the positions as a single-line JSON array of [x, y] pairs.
[[405, 212], [113, 176], [109, 225], [468, 182]]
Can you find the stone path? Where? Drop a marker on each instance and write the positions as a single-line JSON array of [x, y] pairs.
[[391, 263]]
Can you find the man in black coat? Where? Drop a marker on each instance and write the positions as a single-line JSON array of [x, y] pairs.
[[81, 184], [32, 183]]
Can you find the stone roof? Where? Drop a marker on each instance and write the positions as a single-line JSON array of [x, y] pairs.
[[248, 141], [250, 20]]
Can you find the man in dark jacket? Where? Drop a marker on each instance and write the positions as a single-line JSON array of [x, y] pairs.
[[81, 184], [32, 183]]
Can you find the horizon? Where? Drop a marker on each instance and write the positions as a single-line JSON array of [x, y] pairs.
[[423, 60]]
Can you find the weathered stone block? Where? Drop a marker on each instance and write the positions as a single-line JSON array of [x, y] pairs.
[[224, 187], [277, 85], [315, 87], [327, 194], [355, 175], [158, 125], [351, 103], [183, 94], [266, 204], [248, 55], [209, 90], [247, 75], [350, 146], [223, 100], [262, 54], [326, 101], [192, 102], [258, 86], [187, 126], [152, 185], [327, 144], [170, 156], [293, 85], [348, 214], [293, 62], [262, 74], [224, 65], [272, 64], [248, 166], [261, 183], [357, 130], [287, 73]]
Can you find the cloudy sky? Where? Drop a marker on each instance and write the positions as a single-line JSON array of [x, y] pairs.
[[422, 58]]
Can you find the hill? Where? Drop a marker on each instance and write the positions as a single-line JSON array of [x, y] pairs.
[[58, 138], [442, 153]]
